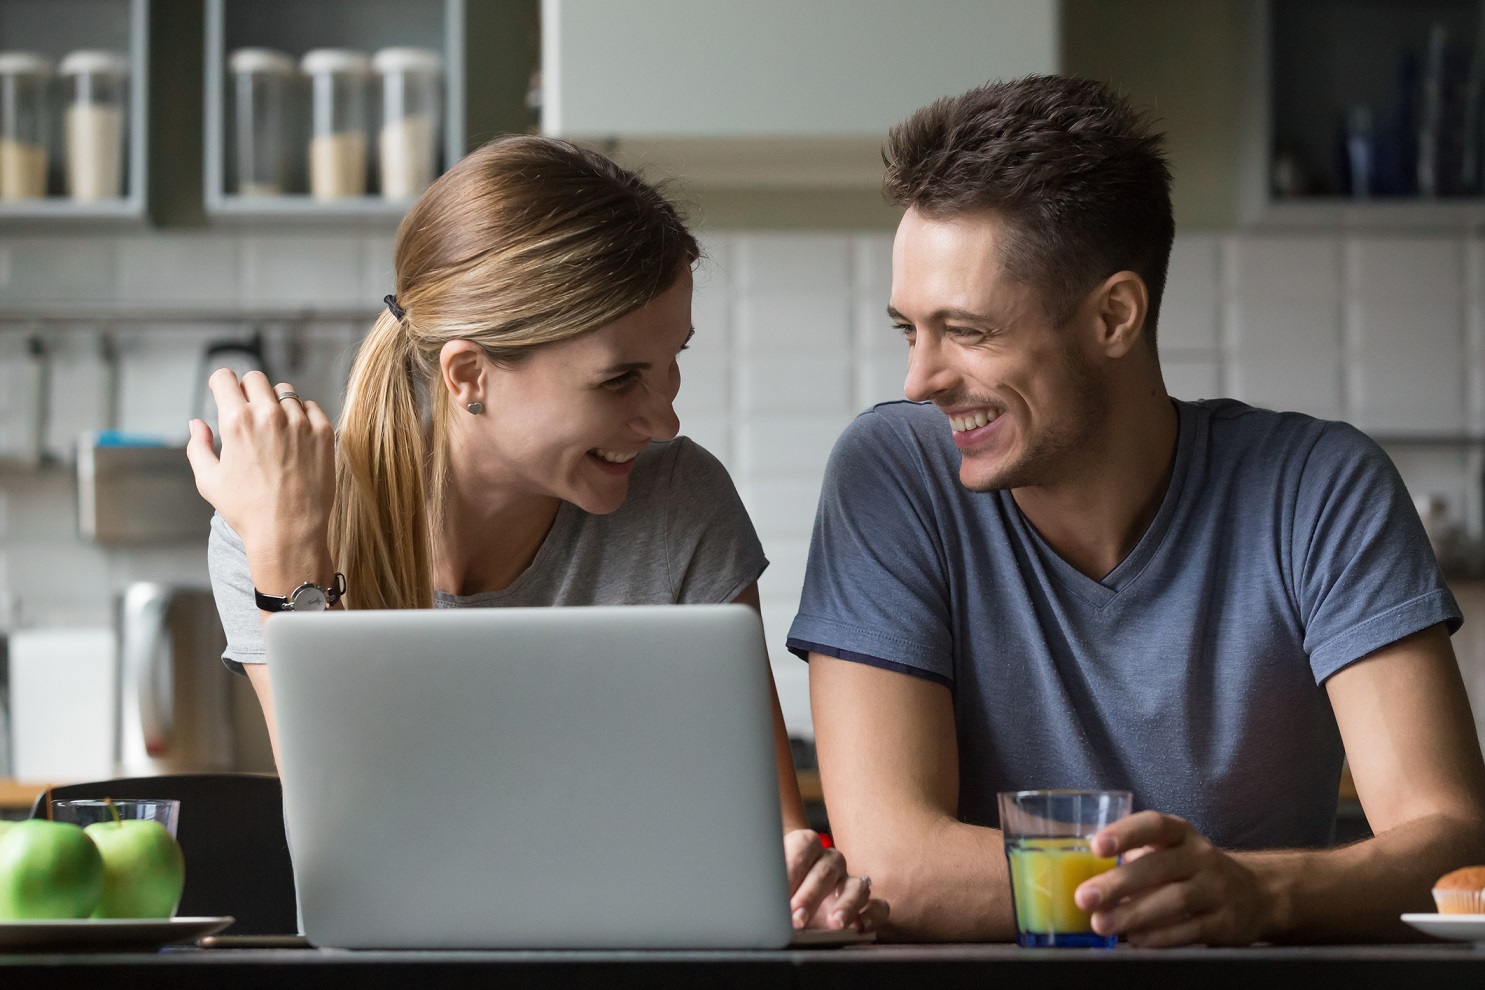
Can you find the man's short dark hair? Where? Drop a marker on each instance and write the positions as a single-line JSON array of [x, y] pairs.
[[1077, 174]]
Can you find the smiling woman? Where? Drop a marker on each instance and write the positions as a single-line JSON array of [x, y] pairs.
[[508, 439]]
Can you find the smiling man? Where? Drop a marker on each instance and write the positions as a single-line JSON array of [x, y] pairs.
[[1043, 571]]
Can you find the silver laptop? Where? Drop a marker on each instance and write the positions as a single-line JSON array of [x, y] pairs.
[[531, 778]]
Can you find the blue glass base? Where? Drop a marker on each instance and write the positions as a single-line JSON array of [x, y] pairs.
[[1066, 940]]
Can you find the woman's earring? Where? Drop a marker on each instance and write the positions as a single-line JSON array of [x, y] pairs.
[[475, 408]]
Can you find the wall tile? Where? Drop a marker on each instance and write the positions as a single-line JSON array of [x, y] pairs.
[[783, 383], [706, 384], [305, 271], [162, 378], [792, 262], [378, 271], [1307, 385], [780, 509], [1413, 381], [787, 446], [1405, 268], [782, 582], [875, 332], [1267, 329], [794, 322], [1192, 377], [715, 434], [79, 390], [22, 395], [63, 270], [871, 267], [879, 379], [1188, 308], [181, 269], [1259, 267]]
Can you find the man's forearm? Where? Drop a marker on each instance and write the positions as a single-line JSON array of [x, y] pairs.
[[1357, 892], [946, 881]]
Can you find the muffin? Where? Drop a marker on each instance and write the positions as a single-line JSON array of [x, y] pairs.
[[1461, 892]]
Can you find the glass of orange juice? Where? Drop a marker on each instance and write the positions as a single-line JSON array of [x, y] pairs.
[[1047, 837]]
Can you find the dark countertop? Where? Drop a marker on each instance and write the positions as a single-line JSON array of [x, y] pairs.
[[1436, 967]]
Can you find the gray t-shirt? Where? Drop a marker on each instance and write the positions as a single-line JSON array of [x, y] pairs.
[[681, 536], [1285, 549]]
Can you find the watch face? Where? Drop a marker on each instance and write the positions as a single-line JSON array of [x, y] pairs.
[[307, 598]]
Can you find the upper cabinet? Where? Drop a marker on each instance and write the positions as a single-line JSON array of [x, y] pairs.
[[1373, 114], [74, 89], [773, 88], [318, 108]]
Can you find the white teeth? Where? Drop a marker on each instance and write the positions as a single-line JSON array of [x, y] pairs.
[[973, 421], [616, 456]]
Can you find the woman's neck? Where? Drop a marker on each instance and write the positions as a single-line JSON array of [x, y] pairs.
[[490, 536]]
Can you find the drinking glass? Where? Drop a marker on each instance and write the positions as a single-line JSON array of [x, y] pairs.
[[1047, 837], [85, 812]]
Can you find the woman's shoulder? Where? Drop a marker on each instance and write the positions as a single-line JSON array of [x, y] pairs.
[[679, 466]]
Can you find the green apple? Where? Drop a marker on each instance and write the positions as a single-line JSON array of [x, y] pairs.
[[143, 872], [48, 870]]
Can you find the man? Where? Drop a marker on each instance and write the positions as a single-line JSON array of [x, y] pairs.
[[1050, 574]]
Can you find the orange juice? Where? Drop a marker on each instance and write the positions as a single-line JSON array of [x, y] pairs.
[[1044, 875]]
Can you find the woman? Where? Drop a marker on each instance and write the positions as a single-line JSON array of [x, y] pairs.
[[508, 438]]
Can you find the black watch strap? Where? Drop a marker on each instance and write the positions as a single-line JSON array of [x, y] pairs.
[[307, 597]]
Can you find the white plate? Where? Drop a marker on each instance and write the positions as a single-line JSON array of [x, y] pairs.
[[104, 934], [1454, 927]]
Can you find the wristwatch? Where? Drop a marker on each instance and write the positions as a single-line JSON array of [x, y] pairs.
[[308, 597]]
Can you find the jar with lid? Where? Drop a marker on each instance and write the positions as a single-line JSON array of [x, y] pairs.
[[261, 78], [97, 86], [338, 143], [25, 80], [407, 144]]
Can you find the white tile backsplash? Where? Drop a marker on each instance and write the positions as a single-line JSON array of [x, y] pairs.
[[792, 341]]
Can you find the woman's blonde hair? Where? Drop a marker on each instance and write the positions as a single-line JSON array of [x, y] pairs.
[[526, 241]]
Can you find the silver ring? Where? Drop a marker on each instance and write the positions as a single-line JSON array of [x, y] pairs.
[[866, 881], [287, 394]]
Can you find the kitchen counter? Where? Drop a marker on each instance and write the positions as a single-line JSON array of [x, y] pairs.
[[1437, 967]]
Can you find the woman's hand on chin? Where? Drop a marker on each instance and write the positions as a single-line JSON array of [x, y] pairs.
[[274, 480], [822, 892]]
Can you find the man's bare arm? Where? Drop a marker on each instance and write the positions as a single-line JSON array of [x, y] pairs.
[[1414, 754], [889, 764]]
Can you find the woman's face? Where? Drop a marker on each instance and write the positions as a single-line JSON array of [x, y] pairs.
[[569, 420]]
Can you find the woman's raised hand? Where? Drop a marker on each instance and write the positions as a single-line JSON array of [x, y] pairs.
[[822, 893], [274, 481]]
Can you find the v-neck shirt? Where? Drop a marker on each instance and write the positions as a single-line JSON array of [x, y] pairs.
[[1284, 549]]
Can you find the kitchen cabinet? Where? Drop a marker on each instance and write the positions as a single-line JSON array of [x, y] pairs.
[[772, 91], [53, 29], [294, 27], [1369, 115]]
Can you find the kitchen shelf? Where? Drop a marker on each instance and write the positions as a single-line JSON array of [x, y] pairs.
[[1315, 61], [294, 27], [53, 28]]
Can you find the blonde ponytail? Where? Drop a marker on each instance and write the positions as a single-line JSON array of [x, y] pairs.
[[525, 242], [379, 528]]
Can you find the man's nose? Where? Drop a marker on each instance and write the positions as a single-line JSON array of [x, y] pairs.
[[928, 374]]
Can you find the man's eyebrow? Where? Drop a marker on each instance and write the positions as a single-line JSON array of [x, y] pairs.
[[942, 315]]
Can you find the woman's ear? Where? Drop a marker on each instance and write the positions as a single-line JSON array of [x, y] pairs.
[[462, 366]]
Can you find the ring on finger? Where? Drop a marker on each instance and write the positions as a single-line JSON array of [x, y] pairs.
[[866, 881], [289, 393]]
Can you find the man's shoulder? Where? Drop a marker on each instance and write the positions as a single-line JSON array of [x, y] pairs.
[[1278, 438]]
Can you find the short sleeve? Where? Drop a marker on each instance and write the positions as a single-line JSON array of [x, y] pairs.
[[875, 587], [1366, 575], [232, 585], [712, 552]]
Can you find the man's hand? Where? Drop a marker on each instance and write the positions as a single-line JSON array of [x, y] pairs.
[[1174, 887]]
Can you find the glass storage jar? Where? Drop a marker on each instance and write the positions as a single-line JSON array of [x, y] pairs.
[[338, 142], [25, 80], [94, 123], [412, 98], [261, 79]]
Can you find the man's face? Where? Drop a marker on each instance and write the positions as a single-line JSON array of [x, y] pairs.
[[1021, 396]]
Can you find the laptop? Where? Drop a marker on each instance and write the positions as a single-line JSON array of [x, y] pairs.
[[531, 778]]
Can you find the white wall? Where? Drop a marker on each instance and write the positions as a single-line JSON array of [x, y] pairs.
[[792, 341]]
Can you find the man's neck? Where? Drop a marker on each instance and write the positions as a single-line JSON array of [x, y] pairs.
[[1097, 515]]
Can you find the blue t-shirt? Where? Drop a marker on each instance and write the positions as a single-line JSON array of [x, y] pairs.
[[1285, 548]]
